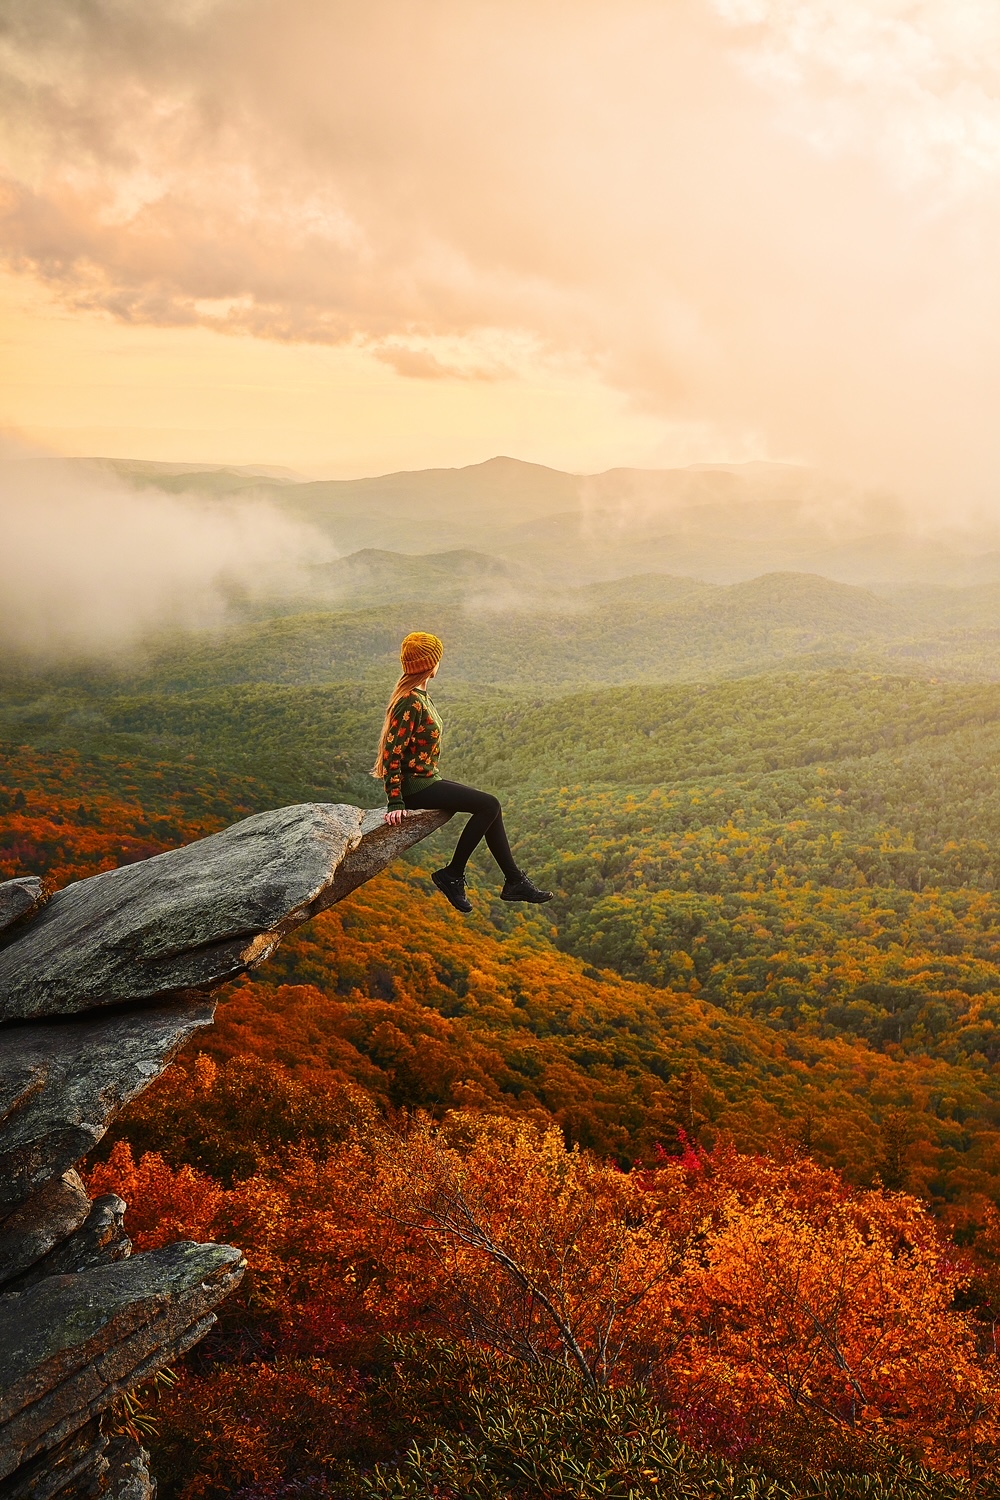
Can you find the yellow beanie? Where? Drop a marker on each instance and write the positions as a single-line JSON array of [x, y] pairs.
[[420, 652]]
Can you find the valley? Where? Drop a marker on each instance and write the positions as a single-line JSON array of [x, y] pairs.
[[769, 811]]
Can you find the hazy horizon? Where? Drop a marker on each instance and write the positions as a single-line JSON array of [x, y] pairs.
[[101, 554], [636, 245]]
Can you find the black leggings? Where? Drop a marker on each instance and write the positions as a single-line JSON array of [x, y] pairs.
[[486, 822]]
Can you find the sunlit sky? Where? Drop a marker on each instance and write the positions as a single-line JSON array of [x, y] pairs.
[[353, 238]]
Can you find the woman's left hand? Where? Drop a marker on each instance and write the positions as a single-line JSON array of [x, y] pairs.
[[395, 815]]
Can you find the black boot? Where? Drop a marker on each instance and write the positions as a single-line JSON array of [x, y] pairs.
[[519, 888], [452, 886]]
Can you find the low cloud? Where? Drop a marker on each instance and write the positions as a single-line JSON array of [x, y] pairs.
[[91, 564]]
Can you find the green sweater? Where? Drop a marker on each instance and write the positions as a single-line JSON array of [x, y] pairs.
[[412, 746]]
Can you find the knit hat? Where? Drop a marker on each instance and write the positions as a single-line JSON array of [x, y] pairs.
[[420, 652]]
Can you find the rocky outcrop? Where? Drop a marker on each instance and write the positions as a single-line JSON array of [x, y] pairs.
[[101, 1238], [18, 898], [197, 916], [99, 987], [128, 1471], [52, 1214], [61, 1085], [74, 1343], [77, 1467]]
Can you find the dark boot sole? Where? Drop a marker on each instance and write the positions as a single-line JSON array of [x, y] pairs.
[[538, 900]]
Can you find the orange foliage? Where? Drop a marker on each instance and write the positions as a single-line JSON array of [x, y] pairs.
[[385, 990], [248, 1423], [753, 1295], [736, 1286], [800, 1294], [758, 1295], [72, 815], [164, 1204]]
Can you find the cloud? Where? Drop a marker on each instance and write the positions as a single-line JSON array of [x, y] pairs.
[[914, 81], [779, 218], [92, 564], [420, 361]]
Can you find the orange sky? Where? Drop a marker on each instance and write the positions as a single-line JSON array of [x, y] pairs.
[[587, 232]]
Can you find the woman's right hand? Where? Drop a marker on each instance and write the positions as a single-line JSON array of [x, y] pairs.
[[395, 815]]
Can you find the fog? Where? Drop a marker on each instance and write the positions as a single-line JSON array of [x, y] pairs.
[[91, 565], [775, 221]]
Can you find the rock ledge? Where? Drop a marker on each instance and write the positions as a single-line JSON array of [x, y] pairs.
[[99, 987]]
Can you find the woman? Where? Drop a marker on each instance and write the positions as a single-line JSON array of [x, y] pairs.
[[407, 763]]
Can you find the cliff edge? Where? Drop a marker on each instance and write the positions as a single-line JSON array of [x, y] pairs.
[[99, 988]]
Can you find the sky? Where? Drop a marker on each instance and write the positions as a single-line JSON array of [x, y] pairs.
[[352, 238]]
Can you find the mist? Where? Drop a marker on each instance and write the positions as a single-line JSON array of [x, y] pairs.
[[92, 565]]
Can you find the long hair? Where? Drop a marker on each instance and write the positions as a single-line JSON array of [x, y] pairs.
[[405, 685]]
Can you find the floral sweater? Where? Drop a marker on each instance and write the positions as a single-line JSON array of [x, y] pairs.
[[412, 746]]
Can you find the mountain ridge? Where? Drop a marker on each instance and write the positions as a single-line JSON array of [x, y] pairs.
[[723, 522]]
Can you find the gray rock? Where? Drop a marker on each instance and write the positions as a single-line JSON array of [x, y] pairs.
[[196, 916], [82, 1321], [18, 898], [101, 1239], [71, 1344], [128, 1471], [73, 1470], [62, 1083], [378, 846], [50, 1215]]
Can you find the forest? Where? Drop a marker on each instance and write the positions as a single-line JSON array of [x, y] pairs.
[[685, 1183], [647, 355]]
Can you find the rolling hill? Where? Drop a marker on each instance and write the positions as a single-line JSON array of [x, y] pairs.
[[721, 523], [505, 633]]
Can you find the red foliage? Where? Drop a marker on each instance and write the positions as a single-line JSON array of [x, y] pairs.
[[756, 1291], [755, 1295], [164, 1205]]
